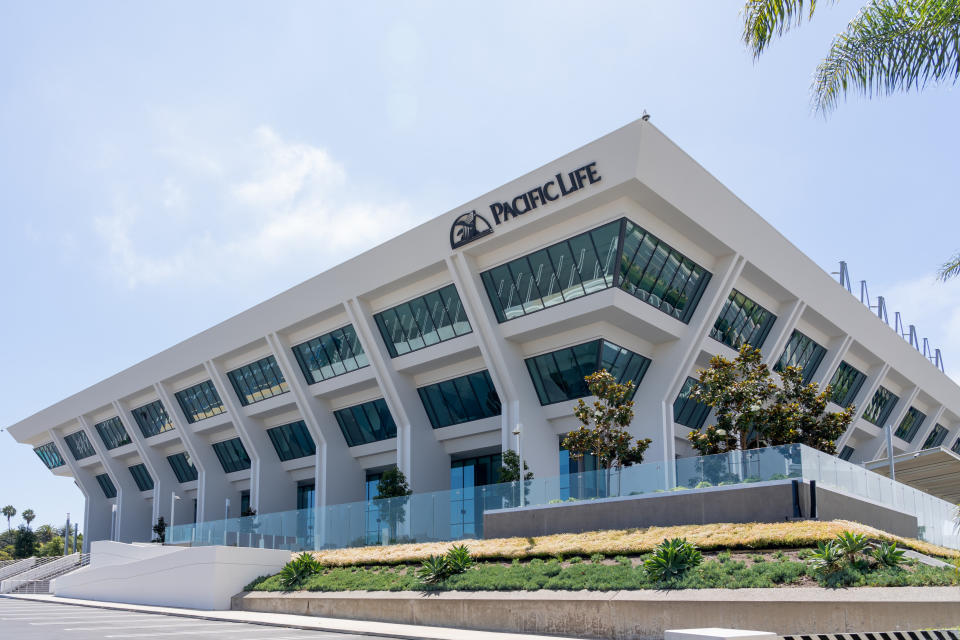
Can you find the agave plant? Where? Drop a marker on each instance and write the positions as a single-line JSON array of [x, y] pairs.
[[434, 569], [671, 559], [828, 558], [459, 559], [886, 554], [852, 545], [295, 572]]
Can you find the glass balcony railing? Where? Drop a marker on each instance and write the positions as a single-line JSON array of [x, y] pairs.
[[458, 514]]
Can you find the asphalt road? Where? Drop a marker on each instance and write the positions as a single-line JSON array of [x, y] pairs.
[[25, 620]]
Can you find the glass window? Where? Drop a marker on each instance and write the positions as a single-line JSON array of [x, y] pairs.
[[559, 375], [687, 411], [576, 477], [330, 355], [183, 467], [365, 423], [466, 503], [372, 520], [50, 455], [423, 321], [200, 401], [956, 446], [880, 407], [742, 321], [106, 485], [305, 495], [79, 445], [141, 476], [846, 384], [292, 441], [470, 397], [112, 433], [910, 424], [152, 419], [936, 437], [258, 381], [232, 455], [801, 352], [846, 453]]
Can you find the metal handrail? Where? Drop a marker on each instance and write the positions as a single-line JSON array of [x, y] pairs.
[[43, 569], [17, 566]]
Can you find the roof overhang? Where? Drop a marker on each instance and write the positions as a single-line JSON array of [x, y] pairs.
[[934, 471]]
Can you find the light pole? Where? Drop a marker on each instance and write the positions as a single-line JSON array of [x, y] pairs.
[[173, 504], [889, 431], [113, 522], [516, 432]]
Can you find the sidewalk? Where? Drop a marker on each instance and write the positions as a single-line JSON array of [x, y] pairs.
[[405, 631]]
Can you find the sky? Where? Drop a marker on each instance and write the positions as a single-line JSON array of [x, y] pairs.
[[164, 166]]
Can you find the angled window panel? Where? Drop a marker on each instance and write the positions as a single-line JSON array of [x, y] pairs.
[[141, 476], [292, 441], [846, 384], [200, 401], [846, 453], [936, 437], [232, 455], [112, 433], [50, 455], [330, 355], [152, 419], [565, 271], [559, 375], [956, 446], [686, 410], [107, 486], [422, 322], [79, 445], [742, 321], [460, 400], [910, 424], [183, 467], [258, 381], [880, 407], [801, 352], [365, 423]]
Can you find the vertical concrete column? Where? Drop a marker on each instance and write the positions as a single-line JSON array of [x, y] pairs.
[[212, 485], [164, 482], [928, 426], [860, 402], [97, 509], [271, 489], [781, 331], [508, 371], [133, 519], [338, 477], [878, 447], [419, 456], [835, 354]]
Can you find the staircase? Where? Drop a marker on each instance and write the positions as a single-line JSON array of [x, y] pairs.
[[37, 576]]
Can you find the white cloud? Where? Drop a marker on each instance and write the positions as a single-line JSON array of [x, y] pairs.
[[248, 211]]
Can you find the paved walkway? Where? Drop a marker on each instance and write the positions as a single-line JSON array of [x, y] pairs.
[[45, 616]]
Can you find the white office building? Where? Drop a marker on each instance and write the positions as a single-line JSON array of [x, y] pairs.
[[427, 351]]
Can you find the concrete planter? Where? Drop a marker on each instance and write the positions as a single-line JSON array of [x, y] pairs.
[[633, 614]]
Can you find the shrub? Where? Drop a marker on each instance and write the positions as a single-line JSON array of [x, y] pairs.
[[459, 559], [852, 545], [886, 554], [672, 559], [703, 484], [436, 569], [827, 559], [295, 572]]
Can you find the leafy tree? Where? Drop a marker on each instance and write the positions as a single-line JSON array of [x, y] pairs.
[[25, 543], [888, 47], [391, 499], [510, 468], [9, 512], [753, 411], [53, 547], [46, 533], [4, 556], [28, 516], [161, 530], [603, 430]]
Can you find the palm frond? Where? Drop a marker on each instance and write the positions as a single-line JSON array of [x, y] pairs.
[[891, 46], [950, 268], [765, 19]]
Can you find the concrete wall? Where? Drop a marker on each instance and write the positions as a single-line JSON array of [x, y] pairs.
[[635, 614], [759, 502]]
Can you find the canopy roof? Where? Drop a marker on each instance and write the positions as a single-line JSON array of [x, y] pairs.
[[935, 471]]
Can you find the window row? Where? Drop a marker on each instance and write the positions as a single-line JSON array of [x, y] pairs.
[[424, 321]]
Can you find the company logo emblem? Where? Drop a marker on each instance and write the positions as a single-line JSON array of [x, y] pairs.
[[467, 228]]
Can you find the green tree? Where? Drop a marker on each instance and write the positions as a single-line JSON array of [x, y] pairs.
[[28, 516], [25, 543], [603, 430], [53, 547], [752, 410], [510, 468], [950, 268], [161, 530], [4, 556], [391, 499], [9, 512], [46, 533], [888, 47]]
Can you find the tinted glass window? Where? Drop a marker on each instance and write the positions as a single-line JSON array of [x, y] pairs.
[[106, 485], [846, 384], [801, 352], [112, 433], [141, 476], [50, 455], [79, 445], [686, 410], [742, 321], [232, 455], [423, 321], [880, 407], [365, 423], [559, 375], [258, 381], [292, 441], [152, 419], [471, 397], [183, 467], [200, 401], [936, 437], [910, 424]]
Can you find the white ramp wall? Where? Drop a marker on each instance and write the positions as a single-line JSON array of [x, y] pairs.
[[188, 577]]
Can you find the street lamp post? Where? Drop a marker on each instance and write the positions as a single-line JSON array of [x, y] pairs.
[[173, 504], [516, 432]]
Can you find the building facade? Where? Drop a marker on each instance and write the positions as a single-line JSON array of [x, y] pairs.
[[431, 350]]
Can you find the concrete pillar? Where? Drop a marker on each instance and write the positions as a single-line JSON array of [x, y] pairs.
[[508, 371], [134, 514], [419, 456], [836, 351], [212, 485], [97, 507], [271, 489]]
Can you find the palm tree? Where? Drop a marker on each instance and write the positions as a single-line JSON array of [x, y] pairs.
[[950, 268], [9, 512], [890, 46], [28, 515]]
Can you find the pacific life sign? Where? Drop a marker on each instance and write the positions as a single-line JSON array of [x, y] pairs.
[[471, 225]]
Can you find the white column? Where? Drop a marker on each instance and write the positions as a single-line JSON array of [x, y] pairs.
[[212, 485], [419, 456], [133, 511], [271, 489], [97, 508], [835, 354]]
